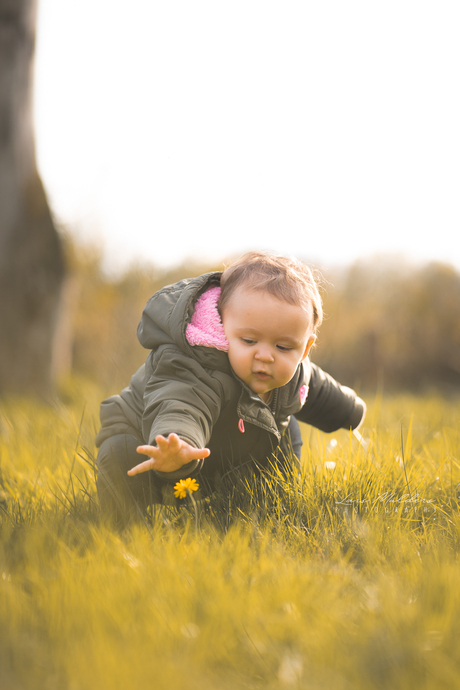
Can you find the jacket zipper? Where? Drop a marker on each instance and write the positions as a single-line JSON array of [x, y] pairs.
[[272, 407]]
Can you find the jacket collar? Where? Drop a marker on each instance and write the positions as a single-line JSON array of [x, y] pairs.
[[251, 408]]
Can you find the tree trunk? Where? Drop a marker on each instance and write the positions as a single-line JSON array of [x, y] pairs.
[[31, 255]]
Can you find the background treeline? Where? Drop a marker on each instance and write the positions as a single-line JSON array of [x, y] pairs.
[[388, 325]]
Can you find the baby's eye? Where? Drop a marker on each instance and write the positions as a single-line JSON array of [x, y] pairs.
[[283, 348], [248, 341]]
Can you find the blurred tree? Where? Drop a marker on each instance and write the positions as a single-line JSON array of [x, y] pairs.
[[31, 256], [393, 325]]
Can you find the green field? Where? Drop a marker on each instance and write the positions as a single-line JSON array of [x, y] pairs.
[[346, 576]]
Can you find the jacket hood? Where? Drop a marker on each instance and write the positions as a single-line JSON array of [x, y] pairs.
[[167, 314]]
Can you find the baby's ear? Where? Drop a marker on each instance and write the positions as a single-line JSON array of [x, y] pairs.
[[310, 343]]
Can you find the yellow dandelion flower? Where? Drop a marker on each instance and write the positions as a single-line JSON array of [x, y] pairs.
[[185, 486]]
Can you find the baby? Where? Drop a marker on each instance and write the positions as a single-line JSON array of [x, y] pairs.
[[226, 378]]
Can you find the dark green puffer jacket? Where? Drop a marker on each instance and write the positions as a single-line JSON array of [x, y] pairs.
[[192, 391]]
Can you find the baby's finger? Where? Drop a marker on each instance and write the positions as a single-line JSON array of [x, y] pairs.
[[199, 453], [142, 467], [174, 442], [147, 450], [162, 443]]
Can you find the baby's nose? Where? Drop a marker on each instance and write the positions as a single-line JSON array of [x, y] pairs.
[[264, 354]]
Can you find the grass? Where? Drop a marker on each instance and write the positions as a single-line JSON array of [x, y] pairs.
[[344, 576]]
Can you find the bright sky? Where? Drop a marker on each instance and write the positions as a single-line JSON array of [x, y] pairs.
[[178, 128]]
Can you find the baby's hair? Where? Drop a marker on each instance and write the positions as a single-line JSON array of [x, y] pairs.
[[287, 279]]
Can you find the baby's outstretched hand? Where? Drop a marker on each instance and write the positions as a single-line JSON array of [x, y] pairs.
[[168, 455]]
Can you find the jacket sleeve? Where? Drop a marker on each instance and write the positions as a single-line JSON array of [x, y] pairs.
[[330, 406], [180, 397]]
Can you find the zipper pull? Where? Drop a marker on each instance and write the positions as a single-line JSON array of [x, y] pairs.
[[303, 392], [241, 426]]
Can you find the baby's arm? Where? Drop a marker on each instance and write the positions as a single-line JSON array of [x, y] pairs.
[[330, 406], [169, 455]]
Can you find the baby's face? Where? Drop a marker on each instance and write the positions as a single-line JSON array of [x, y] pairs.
[[267, 337]]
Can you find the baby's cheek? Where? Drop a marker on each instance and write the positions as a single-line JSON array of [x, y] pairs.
[[290, 370], [233, 357]]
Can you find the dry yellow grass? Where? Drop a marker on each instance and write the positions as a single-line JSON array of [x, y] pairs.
[[334, 579]]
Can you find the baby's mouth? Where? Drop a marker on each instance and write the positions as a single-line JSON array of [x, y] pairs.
[[261, 375]]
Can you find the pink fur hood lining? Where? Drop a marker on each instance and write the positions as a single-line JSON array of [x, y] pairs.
[[205, 327]]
